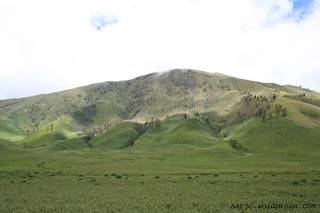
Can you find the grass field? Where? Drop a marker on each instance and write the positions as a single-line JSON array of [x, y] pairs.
[[144, 180]]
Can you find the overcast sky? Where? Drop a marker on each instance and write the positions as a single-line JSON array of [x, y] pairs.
[[48, 46]]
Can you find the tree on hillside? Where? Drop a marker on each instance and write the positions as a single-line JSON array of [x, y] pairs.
[[235, 145], [263, 116], [49, 127], [158, 123], [106, 126], [131, 142], [260, 112], [185, 116], [142, 128], [89, 133], [270, 115], [284, 112]]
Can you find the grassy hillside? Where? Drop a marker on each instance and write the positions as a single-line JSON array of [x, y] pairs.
[[278, 135], [117, 114], [192, 132], [9, 131], [118, 137], [154, 96], [5, 144], [296, 133], [69, 144], [42, 137]]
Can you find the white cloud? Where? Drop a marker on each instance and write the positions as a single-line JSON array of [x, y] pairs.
[[253, 39], [100, 21]]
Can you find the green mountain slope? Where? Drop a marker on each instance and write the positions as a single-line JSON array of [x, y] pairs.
[[119, 114], [278, 135], [146, 97], [9, 131], [5, 144], [70, 144], [118, 137], [297, 133], [193, 132]]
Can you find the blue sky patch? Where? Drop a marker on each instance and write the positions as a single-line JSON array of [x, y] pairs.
[[301, 9], [101, 21]]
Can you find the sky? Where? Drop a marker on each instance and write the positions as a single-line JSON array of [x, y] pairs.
[[48, 46]]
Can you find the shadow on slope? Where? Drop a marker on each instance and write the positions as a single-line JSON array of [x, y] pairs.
[[118, 137], [70, 144], [5, 144]]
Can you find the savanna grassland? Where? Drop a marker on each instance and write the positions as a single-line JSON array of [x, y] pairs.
[[179, 141], [143, 180]]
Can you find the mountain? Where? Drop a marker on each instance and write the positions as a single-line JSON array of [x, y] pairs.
[[175, 108]]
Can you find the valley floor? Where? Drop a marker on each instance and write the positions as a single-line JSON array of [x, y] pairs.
[[145, 180]]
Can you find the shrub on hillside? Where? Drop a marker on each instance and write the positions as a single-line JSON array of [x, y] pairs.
[[236, 145], [158, 123]]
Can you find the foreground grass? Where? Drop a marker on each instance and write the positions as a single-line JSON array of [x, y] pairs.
[[66, 191], [180, 179]]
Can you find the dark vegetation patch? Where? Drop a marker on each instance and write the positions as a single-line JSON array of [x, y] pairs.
[[236, 145], [311, 113], [85, 115], [304, 98]]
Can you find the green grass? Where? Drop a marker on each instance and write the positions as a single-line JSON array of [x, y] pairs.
[[117, 137], [278, 135], [191, 132], [302, 114], [314, 114], [61, 130], [76, 182], [107, 112], [64, 124], [65, 177], [8, 131], [5, 144], [70, 144], [43, 137]]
